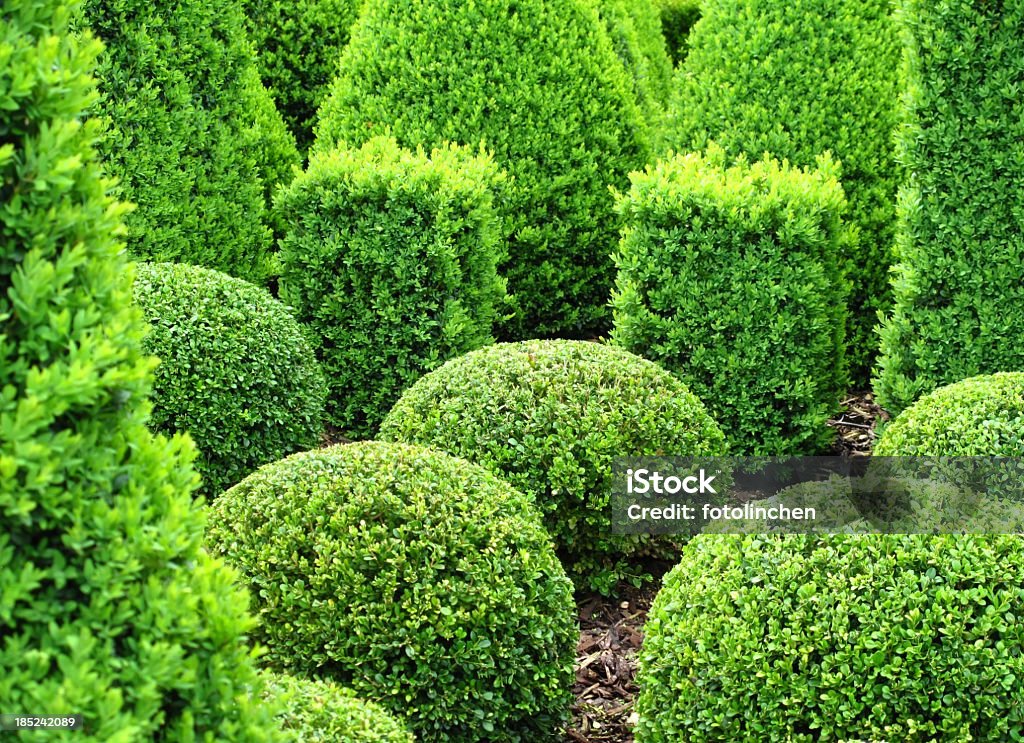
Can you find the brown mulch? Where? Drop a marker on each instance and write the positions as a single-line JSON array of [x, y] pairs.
[[857, 424]]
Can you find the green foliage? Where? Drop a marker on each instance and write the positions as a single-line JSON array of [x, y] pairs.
[[549, 416], [677, 20], [109, 608], [416, 579], [192, 134], [808, 638], [538, 83], [959, 279], [322, 712], [796, 78], [729, 277], [390, 259], [978, 417], [236, 371], [299, 43]]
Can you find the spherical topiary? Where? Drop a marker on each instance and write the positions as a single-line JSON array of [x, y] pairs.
[[315, 710], [236, 371], [109, 607], [416, 579], [846, 637], [390, 260], [549, 416], [537, 82]]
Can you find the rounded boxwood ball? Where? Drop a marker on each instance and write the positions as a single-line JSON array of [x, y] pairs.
[[419, 580], [236, 371], [315, 710], [841, 637], [549, 416]]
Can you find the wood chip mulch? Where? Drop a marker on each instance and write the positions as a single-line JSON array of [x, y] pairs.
[[857, 424]]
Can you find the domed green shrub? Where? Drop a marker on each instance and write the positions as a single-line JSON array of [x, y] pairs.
[[959, 278], [677, 19], [416, 579], [808, 638], [236, 371], [796, 78], [549, 417], [110, 609], [538, 83], [192, 134], [390, 260], [321, 711], [729, 277], [298, 46]]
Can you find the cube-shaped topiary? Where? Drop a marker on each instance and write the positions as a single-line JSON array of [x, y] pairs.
[[236, 371], [843, 637], [796, 78], [729, 276], [109, 607], [420, 581], [390, 260], [322, 712], [550, 416], [959, 278], [192, 134], [538, 83]]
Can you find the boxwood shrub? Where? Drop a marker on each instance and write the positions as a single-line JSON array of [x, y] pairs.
[[549, 416], [110, 609], [390, 260], [418, 580], [959, 278], [315, 710], [729, 276], [795, 78], [538, 83], [236, 371], [192, 134], [843, 637]]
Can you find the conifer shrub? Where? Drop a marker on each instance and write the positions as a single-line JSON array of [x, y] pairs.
[[549, 417], [390, 260], [416, 579], [538, 83], [959, 278], [192, 134], [298, 45], [323, 712], [843, 637], [677, 19], [796, 78], [236, 371], [729, 276], [110, 607]]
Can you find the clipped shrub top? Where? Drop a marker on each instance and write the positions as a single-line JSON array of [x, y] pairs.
[[537, 82], [549, 416], [980, 416], [110, 607], [807, 638], [390, 259], [315, 710], [416, 579], [236, 371]]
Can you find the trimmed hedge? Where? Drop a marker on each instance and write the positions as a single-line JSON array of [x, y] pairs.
[[321, 711], [298, 44], [677, 20], [959, 279], [836, 638], [110, 609], [236, 371], [390, 260], [538, 83], [192, 134], [549, 417], [729, 277], [420, 581], [795, 78]]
